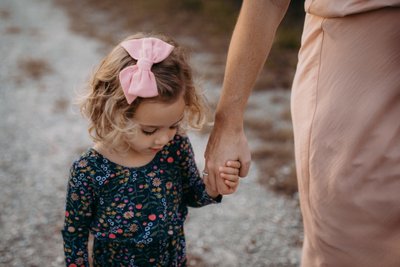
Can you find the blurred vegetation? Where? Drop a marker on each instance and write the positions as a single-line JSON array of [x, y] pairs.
[[210, 23]]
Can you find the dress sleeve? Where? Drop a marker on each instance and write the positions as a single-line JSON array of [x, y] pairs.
[[78, 215], [194, 190]]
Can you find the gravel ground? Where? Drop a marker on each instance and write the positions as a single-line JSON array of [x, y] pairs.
[[43, 63]]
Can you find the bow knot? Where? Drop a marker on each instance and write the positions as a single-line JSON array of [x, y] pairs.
[[139, 80], [144, 64]]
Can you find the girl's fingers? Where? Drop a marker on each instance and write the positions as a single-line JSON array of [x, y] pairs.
[[231, 184], [230, 177], [233, 163], [228, 170]]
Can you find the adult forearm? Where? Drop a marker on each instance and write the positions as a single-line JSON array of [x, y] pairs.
[[250, 45]]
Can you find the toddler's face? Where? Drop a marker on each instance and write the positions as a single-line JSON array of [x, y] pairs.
[[157, 125]]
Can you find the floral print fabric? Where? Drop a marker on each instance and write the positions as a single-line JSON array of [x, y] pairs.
[[135, 214]]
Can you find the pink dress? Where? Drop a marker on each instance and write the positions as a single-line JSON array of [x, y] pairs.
[[346, 119]]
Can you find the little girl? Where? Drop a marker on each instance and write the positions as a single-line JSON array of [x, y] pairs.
[[131, 190]]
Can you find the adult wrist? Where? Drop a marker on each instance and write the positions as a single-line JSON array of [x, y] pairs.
[[229, 120]]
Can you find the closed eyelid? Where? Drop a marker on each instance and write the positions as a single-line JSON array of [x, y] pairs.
[[149, 131], [149, 128]]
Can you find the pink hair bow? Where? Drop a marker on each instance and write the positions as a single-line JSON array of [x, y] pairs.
[[139, 80]]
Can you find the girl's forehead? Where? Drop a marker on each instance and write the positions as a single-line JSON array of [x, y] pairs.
[[159, 114]]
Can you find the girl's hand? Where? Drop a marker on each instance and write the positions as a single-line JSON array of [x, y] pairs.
[[230, 174]]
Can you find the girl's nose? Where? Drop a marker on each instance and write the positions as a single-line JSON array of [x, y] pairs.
[[163, 138]]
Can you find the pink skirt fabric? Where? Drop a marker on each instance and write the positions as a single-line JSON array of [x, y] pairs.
[[346, 119]]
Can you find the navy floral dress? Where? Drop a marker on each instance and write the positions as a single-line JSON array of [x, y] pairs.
[[135, 214]]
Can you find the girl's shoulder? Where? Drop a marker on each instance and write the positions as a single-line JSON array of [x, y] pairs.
[[92, 168], [89, 161]]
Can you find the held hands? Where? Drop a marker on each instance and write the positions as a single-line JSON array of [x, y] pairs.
[[230, 176], [225, 144]]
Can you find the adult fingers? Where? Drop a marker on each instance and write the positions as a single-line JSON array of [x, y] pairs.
[[245, 165]]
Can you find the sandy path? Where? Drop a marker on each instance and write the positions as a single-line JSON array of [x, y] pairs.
[[41, 133]]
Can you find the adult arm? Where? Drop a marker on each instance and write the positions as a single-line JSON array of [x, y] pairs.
[[250, 45]]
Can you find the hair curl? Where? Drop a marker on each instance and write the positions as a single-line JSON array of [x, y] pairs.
[[109, 114]]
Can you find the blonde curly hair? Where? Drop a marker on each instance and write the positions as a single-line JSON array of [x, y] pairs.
[[104, 103]]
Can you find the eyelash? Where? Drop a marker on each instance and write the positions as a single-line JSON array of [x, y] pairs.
[[148, 133], [151, 133]]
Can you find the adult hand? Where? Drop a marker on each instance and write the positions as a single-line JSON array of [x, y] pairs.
[[223, 145]]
